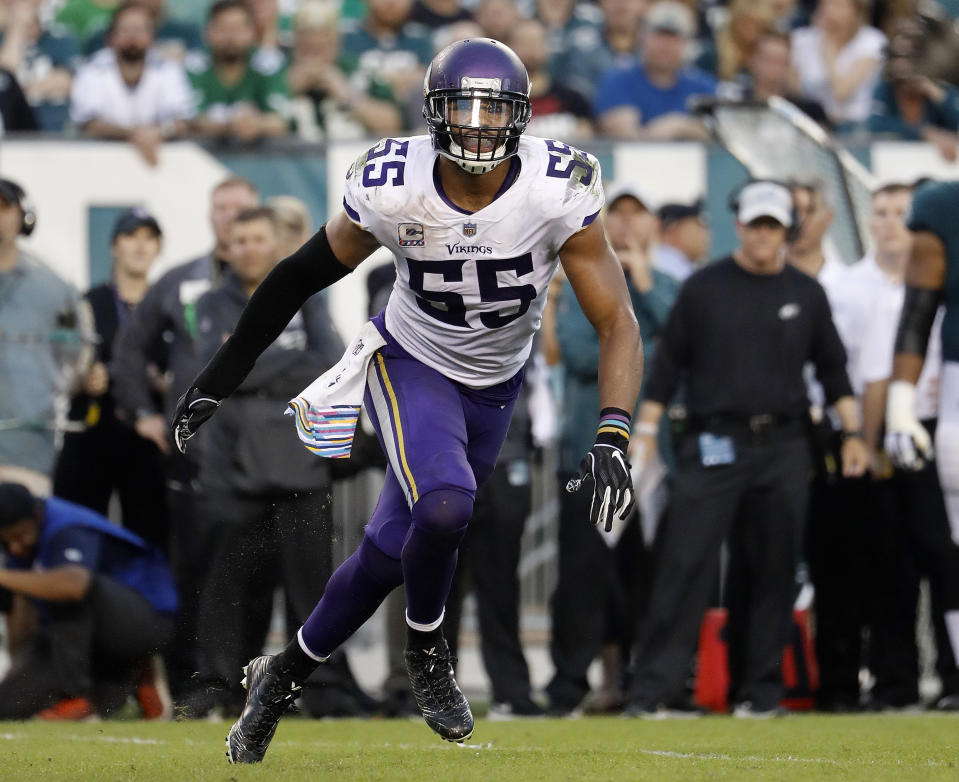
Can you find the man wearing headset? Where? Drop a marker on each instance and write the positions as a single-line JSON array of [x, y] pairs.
[[739, 335], [35, 307]]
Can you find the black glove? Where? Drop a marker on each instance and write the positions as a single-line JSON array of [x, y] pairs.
[[192, 410], [607, 468]]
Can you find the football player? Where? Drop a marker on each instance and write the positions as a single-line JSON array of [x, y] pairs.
[[478, 217], [932, 279]]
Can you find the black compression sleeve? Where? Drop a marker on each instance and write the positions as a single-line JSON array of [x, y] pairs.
[[271, 307], [915, 323]]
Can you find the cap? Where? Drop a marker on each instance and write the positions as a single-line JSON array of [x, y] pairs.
[[669, 16], [16, 503], [11, 192], [673, 213], [620, 189], [765, 199], [135, 218]]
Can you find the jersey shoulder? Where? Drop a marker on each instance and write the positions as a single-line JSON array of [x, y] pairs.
[[556, 162], [401, 150], [560, 178], [380, 181], [933, 209]]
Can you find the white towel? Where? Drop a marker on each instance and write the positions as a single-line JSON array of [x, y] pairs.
[[326, 411]]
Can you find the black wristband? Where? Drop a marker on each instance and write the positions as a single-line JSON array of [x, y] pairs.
[[854, 434], [271, 307], [915, 324]]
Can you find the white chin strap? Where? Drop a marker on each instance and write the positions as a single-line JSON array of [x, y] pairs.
[[482, 164]]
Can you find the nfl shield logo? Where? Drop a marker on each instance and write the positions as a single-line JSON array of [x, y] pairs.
[[469, 229]]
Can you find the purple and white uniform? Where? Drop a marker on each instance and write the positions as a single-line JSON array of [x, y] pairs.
[[468, 298]]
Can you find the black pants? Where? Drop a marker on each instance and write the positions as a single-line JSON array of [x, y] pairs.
[[914, 541], [595, 597], [111, 457], [261, 544], [488, 566], [841, 550], [85, 648], [192, 546], [769, 477]]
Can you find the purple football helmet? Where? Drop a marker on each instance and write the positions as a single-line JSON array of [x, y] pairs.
[[476, 103]]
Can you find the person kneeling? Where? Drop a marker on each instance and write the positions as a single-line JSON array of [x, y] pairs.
[[105, 601]]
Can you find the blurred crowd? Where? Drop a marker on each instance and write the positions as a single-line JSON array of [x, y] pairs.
[[238, 71], [249, 510]]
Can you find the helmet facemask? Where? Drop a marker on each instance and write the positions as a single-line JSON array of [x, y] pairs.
[[477, 126]]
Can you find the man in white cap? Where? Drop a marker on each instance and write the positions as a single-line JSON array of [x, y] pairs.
[[740, 332]]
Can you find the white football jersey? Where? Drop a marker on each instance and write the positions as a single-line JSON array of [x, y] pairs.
[[470, 287]]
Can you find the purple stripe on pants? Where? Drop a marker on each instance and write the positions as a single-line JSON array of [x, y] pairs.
[[451, 435]]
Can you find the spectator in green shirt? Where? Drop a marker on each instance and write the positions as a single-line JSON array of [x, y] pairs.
[[390, 49], [911, 106], [174, 38], [85, 17], [274, 34], [233, 99], [328, 102], [42, 60]]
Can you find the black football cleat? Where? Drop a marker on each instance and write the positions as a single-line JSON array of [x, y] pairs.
[[268, 697], [439, 699]]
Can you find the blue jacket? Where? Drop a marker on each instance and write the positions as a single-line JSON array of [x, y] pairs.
[[72, 534]]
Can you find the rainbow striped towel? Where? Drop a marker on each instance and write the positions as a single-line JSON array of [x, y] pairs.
[[326, 411]]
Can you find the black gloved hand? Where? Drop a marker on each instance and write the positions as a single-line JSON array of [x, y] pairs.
[[607, 468], [193, 409]]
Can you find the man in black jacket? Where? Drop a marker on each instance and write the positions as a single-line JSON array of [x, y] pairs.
[[268, 500], [167, 315], [740, 333]]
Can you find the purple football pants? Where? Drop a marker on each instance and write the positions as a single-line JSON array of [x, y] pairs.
[[442, 440]]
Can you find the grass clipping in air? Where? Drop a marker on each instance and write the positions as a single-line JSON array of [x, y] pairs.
[[799, 747]]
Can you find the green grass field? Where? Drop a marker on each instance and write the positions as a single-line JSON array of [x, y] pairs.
[[800, 747]]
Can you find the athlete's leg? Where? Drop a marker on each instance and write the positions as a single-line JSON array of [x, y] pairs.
[[418, 415], [947, 443], [947, 463], [427, 456], [351, 596], [362, 582]]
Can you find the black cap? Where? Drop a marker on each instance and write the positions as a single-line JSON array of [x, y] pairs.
[[673, 213], [16, 503], [132, 219], [11, 192]]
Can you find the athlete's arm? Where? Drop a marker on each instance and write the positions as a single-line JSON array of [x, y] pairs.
[[597, 278], [600, 286], [332, 253], [925, 274], [350, 244], [907, 441]]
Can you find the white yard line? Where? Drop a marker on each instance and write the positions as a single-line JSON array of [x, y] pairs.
[[748, 758], [658, 752], [114, 739]]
